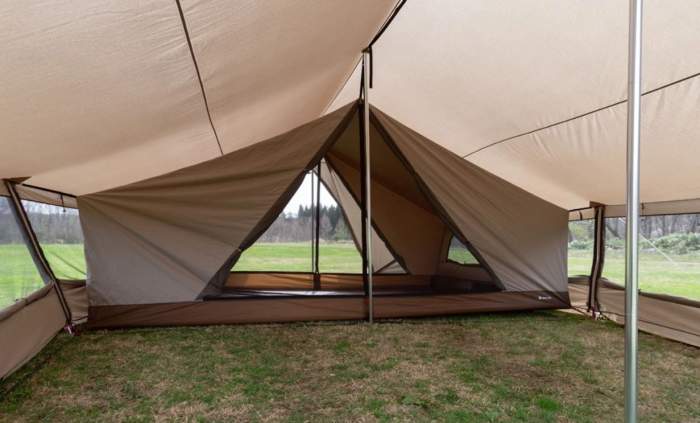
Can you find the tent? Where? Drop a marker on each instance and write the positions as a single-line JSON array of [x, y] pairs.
[[160, 251], [122, 108]]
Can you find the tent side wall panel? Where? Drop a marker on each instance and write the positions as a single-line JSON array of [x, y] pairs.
[[27, 326], [672, 318], [164, 239], [415, 233], [522, 237]]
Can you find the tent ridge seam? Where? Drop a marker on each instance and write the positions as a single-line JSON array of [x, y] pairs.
[[199, 75], [582, 115]]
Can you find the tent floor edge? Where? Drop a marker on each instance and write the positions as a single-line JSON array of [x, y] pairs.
[[278, 310]]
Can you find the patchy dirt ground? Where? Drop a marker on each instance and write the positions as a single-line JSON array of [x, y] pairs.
[[524, 367]]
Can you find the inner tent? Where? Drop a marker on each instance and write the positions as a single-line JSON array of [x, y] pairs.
[[415, 250], [447, 237]]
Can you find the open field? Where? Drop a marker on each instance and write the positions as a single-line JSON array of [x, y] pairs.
[[518, 367], [674, 275], [341, 257], [19, 278]]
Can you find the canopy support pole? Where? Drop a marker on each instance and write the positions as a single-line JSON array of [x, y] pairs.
[[368, 186], [317, 232], [312, 221], [634, 87]]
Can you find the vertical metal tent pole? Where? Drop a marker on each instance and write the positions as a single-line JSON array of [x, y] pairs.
[[632, 236], [368, 185], [312, 219], [317, 275]]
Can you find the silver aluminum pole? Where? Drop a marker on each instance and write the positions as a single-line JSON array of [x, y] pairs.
[[634, 80], [368, 190]]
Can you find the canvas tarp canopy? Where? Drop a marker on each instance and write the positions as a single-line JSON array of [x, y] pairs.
[[105, 93], [168, 238], [530, 91]]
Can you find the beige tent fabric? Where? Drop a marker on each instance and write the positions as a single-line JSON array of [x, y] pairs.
[[664, 318], [94, 91], [523, 238], [75, 293], [46, 197], [415, 233], [583, 160], [670, 318], [470, 73], [163, 239], [658, 208], [381, 256], [116, 86], [27, 326], [109, 89], [647, 209], [256, 310], [272, 65]]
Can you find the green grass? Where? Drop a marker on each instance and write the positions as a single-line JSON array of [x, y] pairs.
[[341, 257], [518, 367], [679, 277], [461, 255], [19, 277]]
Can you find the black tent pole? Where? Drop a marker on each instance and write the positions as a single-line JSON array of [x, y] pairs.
[[598, 258]]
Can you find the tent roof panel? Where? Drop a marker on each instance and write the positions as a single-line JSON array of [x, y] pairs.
[[97, 88], [109, 89], [270, 66], [469, 74]]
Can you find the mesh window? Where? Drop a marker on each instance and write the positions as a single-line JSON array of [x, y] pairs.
[[287, 245], [61, 238], [19, 276], [581, 240], [337, 250], [669, 256], [459, 253]]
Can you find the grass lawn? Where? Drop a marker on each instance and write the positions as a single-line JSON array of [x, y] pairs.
[[680, 277], [341, 257], [19, 277], [518, 367]]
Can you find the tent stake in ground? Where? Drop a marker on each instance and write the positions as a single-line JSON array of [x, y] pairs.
[[632, 239]]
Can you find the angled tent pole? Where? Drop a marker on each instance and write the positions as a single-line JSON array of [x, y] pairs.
[[634, 88], [36, 251]]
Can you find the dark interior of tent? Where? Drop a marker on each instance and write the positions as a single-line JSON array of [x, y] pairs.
[[416, 249]]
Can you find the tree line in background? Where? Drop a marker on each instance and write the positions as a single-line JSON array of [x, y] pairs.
[[52, 225], [297, 227], [55, 225], [678, 234]]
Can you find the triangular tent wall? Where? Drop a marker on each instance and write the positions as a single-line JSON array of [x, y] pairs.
[[174, 238], [164, 239]]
